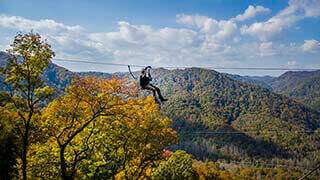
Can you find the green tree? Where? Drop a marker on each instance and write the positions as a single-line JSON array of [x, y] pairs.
[[26, 92], [178, 166], [208, 170]]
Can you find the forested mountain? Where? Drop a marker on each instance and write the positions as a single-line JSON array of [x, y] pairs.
[[263, 81], [95, 74], [3, 57], [205, 100], [55, 76], [300, 85], [263, 126], [303, 86]]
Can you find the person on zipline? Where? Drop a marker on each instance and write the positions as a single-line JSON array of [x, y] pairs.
[[145, 79]]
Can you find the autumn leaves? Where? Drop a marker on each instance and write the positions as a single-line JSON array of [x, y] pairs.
[[98, 121]]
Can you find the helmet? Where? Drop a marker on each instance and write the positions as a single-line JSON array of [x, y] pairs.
[[143, 71]]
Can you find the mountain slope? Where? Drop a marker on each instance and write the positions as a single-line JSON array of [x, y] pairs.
[[54, 76], [263, 81], [303, 86], [205, 100], [3, 57]]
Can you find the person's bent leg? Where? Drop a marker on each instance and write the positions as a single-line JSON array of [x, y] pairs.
[[151, 88], [159, 92]]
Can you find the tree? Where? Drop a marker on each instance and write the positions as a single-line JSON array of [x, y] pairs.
[[208, 170], [29, 57], [178, 166], [86, 100], [133, 143], [97, 130]]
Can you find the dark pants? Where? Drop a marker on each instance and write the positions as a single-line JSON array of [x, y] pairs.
[[155, 90]]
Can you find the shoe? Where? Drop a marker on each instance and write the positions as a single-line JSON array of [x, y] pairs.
[[157, 101], [163, 99]]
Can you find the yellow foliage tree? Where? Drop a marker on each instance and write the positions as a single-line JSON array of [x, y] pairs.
[[98, 129]]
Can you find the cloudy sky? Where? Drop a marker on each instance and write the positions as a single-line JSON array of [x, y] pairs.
[[219, 33]]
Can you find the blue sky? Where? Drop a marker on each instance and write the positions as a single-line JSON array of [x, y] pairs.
[[172, 32]]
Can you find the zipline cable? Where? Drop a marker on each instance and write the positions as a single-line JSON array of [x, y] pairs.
[[244, 132], [265, 164], [208, 67], [96, 62], [310, 172], [131, 73]]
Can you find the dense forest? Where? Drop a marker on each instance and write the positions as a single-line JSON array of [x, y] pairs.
[[302, 86], [90, 125], [274, 126]]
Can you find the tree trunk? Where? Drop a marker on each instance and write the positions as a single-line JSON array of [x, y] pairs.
[[25, 140], [24, 162], [63, 165]]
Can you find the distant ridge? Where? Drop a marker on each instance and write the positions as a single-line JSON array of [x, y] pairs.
[[303, 86]]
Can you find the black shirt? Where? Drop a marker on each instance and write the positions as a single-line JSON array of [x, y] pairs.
[[144, 80]]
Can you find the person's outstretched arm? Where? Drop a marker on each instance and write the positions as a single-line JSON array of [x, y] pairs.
[[149, 75]]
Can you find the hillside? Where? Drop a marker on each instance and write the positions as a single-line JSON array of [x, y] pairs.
[[205, 100], [263, 81], [54, 76], [57, 76], [3, 57], [303, 86]]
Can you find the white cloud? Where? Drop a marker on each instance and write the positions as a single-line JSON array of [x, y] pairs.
[[131, 33], [311, 45], [267, 49], [296, 11], [26, 24], [66, 40], [292, 63], [218, 30], [143, 43], [251, 12]]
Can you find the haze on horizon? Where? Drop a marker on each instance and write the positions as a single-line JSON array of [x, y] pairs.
[[170, 33]]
